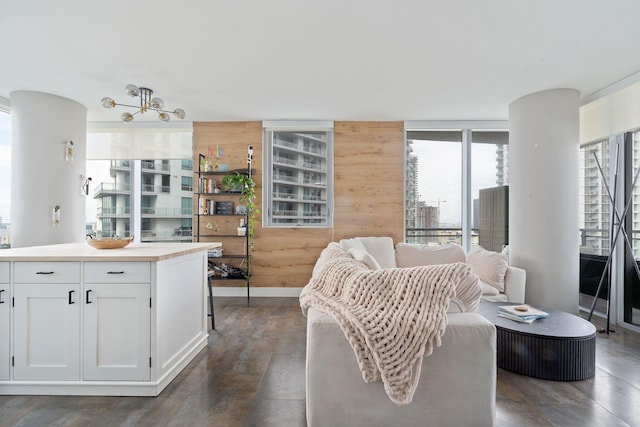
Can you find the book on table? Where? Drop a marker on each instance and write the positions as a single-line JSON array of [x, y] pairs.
[[521, 313]]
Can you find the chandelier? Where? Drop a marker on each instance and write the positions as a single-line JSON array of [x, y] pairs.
[[146, 103]]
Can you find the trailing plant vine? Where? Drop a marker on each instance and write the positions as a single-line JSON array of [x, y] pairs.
[[247, 187]]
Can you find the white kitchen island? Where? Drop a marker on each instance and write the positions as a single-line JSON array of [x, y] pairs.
[[75, 320]]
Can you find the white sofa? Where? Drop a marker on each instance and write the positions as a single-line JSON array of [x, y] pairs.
[[457, 383], [499, 281]]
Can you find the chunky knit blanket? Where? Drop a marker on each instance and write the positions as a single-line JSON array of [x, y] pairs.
[[391, 317]]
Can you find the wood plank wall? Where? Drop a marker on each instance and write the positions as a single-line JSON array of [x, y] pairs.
[[368, 193]]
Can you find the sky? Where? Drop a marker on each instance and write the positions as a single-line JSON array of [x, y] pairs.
[[440, 177]]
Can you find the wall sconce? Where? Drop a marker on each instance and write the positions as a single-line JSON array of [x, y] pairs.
[[84, 188], [68, 151]]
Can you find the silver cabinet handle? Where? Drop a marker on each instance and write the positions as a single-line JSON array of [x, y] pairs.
[[115, 272]]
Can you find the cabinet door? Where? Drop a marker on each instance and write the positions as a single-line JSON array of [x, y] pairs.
[[47, 331], [117, 331], [5, 300]]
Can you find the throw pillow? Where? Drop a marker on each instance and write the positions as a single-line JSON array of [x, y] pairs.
[[365, 258], [490, 267], [412, 255], [380, 248]]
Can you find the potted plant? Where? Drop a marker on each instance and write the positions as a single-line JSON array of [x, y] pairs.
[[246, 185]]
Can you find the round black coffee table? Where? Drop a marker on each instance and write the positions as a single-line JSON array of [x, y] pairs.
[[559, 347]]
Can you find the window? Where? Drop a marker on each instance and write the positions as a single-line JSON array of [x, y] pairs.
[[450, 177], [138, 173], [298, 177], [5, 179], [187, 183]]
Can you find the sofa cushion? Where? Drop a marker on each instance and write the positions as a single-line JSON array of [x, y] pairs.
[[365, 258], [490, 267], [412, 255], [380, 248]]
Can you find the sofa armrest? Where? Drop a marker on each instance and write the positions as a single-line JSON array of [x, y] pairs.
[[514, 284]]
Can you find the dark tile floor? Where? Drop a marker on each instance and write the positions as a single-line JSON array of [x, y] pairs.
[[252, 374]]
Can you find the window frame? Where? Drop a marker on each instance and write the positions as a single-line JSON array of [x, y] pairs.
[[270, 129]]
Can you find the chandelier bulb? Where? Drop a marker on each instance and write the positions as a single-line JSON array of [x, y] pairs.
[[179, 113], [164, 117], [157, 103], [126, 117], [132, 90], [108, 102]]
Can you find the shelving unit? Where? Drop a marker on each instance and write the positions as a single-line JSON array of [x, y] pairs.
[[217, 219]]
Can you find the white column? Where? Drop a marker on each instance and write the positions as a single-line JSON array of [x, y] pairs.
[[543, 195], [41, 177]]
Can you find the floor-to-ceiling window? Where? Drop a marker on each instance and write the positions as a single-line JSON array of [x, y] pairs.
[[595, 223], [147, 197], [436, 180], [610, 239], [5, 179], [456, 187], [631, 292]]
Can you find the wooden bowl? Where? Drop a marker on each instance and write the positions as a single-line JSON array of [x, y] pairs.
[[109, 243]]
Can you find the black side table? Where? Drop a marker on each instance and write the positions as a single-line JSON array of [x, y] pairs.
[[559, 347]]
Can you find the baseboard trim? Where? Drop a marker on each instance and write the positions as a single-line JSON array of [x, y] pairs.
[[256, 292]]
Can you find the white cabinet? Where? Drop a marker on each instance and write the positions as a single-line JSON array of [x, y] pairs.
[[5, 325], [120, 322], [117, 321], [47, 331], [46, 317]]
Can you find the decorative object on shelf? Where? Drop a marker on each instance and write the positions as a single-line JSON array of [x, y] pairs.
[[68, 151], [242, 230], [109, 243], [146, 103], [223, 208], [55, 216]]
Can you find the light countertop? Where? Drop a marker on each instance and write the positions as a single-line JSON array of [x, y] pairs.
[[84, 252]]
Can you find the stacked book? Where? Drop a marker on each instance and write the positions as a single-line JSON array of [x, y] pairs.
[[521, 313]]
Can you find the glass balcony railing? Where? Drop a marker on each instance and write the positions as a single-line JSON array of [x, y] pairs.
[[439, 235], [111, 188], [166, 212], [155, 189]]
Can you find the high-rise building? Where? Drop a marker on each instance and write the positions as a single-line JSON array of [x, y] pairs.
[[299, 193], [594, 200], [502, 164], [166, 200]]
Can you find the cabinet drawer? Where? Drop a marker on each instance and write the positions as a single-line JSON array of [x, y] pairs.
[[117, 272], [46, 272], [4, 272]]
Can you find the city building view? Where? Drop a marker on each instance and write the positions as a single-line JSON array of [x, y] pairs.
[[594, 199], [424, 219], [299, 178], [165, 190]]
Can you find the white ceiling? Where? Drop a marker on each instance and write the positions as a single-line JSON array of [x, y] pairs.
[[312, 59]]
